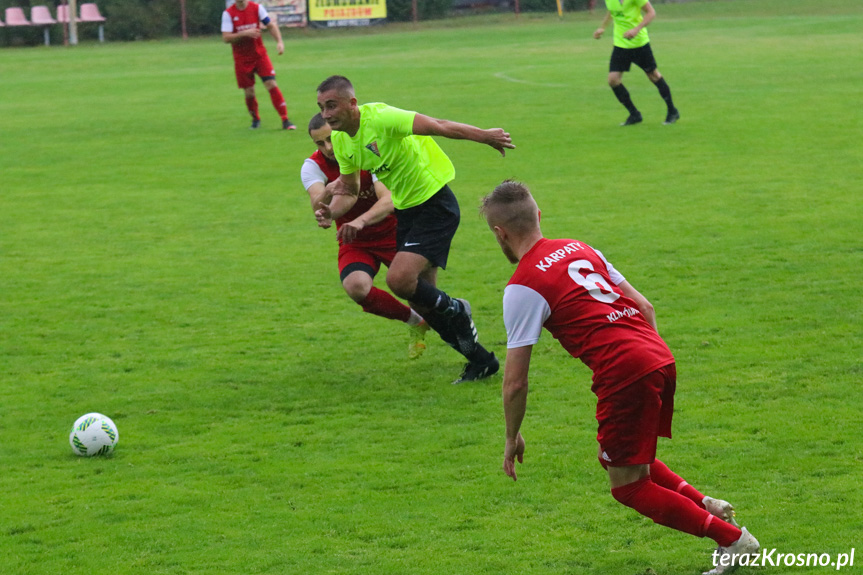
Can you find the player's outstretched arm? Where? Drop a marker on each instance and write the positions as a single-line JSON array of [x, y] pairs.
[[644, 306], [495, 137], [514, 405]]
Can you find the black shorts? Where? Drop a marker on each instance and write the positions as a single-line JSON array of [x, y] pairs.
[[428, 229], [622, 59]]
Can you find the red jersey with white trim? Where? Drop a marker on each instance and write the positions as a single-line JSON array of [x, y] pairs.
[[235, 20], [384, 229], [570, 289]]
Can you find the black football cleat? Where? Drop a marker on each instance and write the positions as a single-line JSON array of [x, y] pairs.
[[633, 119], [672, 117], [475, 371]]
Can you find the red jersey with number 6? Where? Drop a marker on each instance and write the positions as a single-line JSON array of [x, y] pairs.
[[570, 289]]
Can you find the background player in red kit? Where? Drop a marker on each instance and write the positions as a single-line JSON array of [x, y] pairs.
[[366, 234], [570, 289], [241, 28]]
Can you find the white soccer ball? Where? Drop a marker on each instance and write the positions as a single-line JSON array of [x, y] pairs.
[[93, 434]]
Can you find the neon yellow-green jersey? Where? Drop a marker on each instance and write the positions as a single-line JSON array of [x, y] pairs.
[[627, 15], [414, 168]]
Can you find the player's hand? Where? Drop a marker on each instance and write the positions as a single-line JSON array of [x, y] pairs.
[[630, 34], [598, 33], [514, 449], [348, 232], [499, 140], [253, 33], [280, 46], [324, 215]]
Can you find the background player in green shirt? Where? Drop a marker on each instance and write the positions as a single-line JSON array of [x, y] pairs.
[[395, 145], [631, 44]]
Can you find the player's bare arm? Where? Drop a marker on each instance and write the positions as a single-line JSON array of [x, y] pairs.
[[495, 137], [381, 209], [514, 405], [277, 36], [649, 15], [644, 306], [318, 196], [343, 191], [234, 37], [601, 30]]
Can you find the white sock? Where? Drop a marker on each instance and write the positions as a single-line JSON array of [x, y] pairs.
[[415, 318]]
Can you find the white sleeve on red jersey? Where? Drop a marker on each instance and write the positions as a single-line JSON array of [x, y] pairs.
[[227, 23], [312, 173], [615, 275], [262, 15], [524, 312]]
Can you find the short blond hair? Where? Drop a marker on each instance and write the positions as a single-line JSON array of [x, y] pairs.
[[512, 206]]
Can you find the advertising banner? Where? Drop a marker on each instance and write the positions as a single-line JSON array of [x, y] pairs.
[[287, 13], [333, 13]]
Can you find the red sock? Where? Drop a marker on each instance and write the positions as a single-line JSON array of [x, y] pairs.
[[665, 507], [252, 105], [664, 477], [723, 533], [279, 103], [383, 304]]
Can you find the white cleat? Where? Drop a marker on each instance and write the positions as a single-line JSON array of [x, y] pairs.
[[722, 509], [727, 559]]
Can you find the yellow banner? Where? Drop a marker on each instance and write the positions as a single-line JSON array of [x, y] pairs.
[[324, 10]]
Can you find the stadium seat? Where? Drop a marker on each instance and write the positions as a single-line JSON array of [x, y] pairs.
[[90, 13], [63, 13], [41, 16], [15, 17]]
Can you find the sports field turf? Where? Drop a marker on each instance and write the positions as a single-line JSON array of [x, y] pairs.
[[159, 263]]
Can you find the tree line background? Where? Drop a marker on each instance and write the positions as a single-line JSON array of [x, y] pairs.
[[129, 20]]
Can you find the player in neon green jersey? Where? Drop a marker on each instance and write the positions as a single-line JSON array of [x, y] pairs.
[[396, 146], [631, 44]]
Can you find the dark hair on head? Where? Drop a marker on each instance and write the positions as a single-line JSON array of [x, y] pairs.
[[316, 122], [338, 83]]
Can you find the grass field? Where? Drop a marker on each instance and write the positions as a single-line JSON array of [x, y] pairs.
[[159, 263]]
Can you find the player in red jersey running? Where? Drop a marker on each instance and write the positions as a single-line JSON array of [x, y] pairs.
[[570, 289], [241, 28], [366, 232]]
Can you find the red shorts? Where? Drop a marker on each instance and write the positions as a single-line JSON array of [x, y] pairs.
[[246, 70], [631, 419], [370, 255]]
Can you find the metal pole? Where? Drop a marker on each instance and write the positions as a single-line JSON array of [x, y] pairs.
[[414, 10], [73, 22]]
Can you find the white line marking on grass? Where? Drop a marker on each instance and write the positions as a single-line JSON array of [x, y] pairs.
[[508, 78]]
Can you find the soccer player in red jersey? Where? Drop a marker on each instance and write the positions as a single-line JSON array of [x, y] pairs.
[[241, 28], [570, 289], [366, 230]]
